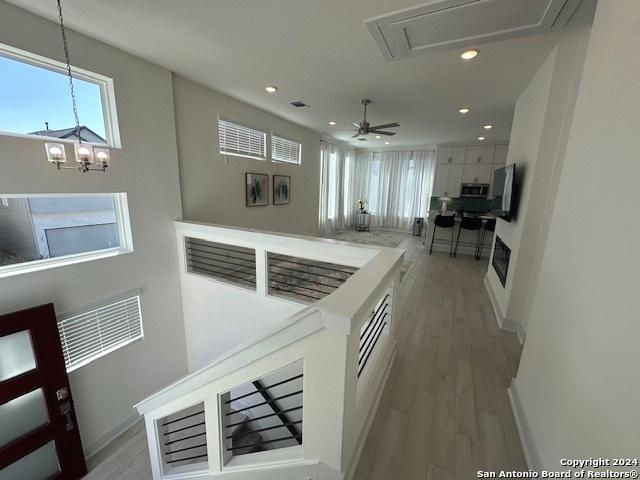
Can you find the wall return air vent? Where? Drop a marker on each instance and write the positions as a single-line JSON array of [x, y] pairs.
[[442, 25]]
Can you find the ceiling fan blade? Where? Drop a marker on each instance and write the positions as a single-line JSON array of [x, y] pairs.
[[380, 132], [386, 125], [356, 135], [357, 125]]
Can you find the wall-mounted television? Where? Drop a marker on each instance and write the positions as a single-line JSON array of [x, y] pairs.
[[505, 195]]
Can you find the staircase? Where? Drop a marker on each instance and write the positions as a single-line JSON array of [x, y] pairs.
[[244, 439], [296, 397]]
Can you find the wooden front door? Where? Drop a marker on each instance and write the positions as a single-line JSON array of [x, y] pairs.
[[39, 438]]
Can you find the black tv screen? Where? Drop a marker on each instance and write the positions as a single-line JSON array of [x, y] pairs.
[[504, 192]]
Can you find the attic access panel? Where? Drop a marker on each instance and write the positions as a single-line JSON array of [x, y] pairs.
[[442, 25]]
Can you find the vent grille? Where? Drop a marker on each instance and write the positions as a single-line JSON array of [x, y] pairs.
[[298, 104], [228, 263]]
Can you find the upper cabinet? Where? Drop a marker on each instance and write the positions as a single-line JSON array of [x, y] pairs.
[[479, 154], [451, 155], [448, 180], [477, 173], [500, 155], [456, 165]]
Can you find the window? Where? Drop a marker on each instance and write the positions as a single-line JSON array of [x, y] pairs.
[[96, 331], [42, 231], [34, 100], [241, 140], [285, 150], [333, 186], [374, 189]]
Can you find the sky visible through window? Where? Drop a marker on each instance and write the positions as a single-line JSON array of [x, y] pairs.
[[31, 96]]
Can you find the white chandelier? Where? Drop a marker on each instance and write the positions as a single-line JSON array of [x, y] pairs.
[[90, 158]]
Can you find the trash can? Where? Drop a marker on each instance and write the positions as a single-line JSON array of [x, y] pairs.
[[417, 226]]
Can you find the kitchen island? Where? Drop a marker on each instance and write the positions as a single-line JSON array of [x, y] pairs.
[[467, 244]]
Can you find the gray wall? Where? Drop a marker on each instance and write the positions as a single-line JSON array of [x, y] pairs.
[[213, 189], [147, 169]]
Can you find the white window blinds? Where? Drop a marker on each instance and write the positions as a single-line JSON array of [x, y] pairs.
[[285, 150], [95, 333], [240, 140]]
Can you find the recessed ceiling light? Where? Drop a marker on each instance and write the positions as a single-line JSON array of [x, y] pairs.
[[464, 110], [378, 136], [480, 138], [469, 54], [487, 127], [332, 123], [271, 89], [387, 143]]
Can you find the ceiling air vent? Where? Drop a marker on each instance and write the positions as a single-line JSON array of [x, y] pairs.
[[442, 25], [298, 104]]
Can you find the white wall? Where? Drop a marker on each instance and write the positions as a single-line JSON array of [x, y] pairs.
[[526, 130], [539, 133], [147, 169], [579, 382], [213, 189]]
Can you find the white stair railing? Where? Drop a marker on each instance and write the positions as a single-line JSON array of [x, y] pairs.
[[333, 355]]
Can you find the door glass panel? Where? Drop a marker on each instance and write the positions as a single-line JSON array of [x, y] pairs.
[[16, 355], [22, 415], [41, 464]]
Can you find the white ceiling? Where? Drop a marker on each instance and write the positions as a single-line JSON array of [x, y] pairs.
[[319, 52]]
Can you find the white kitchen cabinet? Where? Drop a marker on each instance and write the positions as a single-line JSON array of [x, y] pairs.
[[477, 173], [450, 155], [500, 155], [479, 154], [448, 178]]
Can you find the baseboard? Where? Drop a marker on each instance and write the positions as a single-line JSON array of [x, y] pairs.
[[103, 442], [503, 322], [531, 452], [362, 440]]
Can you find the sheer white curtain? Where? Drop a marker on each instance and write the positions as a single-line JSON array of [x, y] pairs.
[[395, 185], [337, 176]]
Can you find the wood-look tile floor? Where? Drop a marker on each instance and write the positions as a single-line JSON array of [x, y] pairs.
[[445, 413]]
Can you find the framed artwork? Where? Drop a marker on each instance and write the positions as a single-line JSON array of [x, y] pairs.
[[281, 189], [257, 189]]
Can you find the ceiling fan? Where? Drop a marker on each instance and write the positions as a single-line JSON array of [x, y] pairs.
[[365, 129]]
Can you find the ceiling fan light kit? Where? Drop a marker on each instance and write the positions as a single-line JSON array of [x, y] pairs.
[[364, 128]]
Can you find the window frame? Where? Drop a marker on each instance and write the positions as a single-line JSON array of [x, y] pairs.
[[123, 221], [289, 139], [96, 306], [104, 83], [264, 132]]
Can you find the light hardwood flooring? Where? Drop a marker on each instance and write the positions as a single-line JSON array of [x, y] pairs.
[[444, 413]]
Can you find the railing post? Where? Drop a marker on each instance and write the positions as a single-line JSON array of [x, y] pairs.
[[153, 440], [261, 272]]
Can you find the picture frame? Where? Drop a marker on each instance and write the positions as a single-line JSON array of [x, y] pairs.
[[281, 189], [256, 189]]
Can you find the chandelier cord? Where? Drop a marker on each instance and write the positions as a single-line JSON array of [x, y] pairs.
[[69, 74]]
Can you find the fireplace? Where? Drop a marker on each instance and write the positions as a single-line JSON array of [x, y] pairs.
[[500, 262]]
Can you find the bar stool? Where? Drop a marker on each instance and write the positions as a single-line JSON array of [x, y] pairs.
[[469, 223], [489, 226], [443, 221]]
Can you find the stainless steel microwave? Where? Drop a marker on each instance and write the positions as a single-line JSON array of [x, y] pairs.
[[476, 190]]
